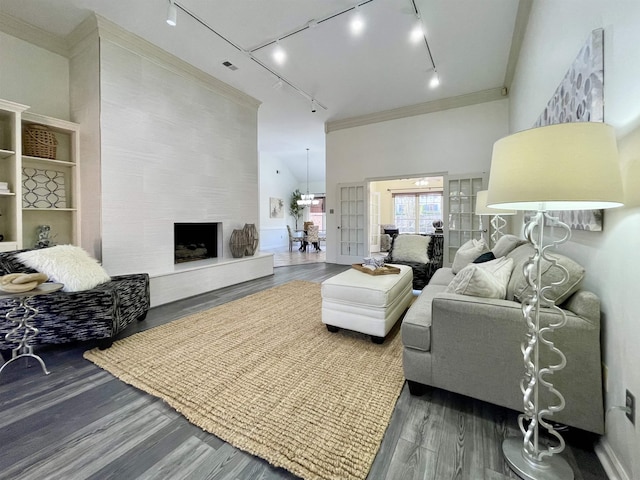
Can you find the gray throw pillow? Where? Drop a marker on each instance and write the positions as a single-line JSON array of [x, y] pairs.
[[518, 288], [506, 244]]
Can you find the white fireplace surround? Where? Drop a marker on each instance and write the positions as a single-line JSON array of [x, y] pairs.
[[160, 139]]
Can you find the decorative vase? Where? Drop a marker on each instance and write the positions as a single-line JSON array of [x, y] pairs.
[[251, 234], [238, 243]]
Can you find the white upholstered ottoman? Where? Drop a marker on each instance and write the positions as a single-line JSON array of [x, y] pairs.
[[369, 304]]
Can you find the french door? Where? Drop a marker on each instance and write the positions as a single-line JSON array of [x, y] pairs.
[[461, 224], [352, 240]]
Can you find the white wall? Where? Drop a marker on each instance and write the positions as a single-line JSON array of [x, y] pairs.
[[173, 150], [455, 141], [276, 181], [34, 76], [555, 33]]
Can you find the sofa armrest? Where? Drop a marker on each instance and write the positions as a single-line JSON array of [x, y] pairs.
[[476, 351]]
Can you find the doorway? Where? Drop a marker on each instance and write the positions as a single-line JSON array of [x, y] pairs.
[[405, 205]]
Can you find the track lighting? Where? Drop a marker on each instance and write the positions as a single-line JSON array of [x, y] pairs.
[[279, 55], [172, 14], [417, 33], [357, 23], [314, 108], [435, 80], [277, 85]]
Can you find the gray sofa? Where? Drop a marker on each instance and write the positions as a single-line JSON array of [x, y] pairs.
[[471, 346]]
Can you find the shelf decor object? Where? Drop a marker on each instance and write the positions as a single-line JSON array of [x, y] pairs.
[[497, 222], [568, 166], [39, 141], [43, 188]]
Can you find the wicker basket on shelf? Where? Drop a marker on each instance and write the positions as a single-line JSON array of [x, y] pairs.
[[39, 141]]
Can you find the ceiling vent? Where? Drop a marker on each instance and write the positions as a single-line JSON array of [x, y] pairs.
[[229, 65]]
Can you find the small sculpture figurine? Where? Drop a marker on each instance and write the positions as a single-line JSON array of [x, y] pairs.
[[44, 237]]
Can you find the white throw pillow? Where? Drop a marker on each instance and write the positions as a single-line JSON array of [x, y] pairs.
[[487, 280], [467, 253], [66, 264], [410, 248]]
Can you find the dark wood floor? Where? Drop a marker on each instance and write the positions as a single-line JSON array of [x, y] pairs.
[[82, 423]]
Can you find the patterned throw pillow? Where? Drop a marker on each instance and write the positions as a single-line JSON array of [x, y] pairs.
[[66, 264], [487, 280]]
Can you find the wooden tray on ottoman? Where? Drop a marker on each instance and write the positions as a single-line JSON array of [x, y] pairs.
[[384, 270]]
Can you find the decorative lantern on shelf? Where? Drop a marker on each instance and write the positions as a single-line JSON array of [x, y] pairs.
[[238, 243], [251, 234]]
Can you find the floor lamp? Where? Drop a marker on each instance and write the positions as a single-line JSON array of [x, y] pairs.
[[497, 222], [569, 166]]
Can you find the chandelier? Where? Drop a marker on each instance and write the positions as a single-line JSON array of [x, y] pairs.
[[308, 198]]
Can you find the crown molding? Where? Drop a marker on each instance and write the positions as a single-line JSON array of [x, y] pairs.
[[113, 33], [29, 33], [419, 109]]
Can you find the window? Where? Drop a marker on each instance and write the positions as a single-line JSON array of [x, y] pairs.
[[317, 213], [415, 212]]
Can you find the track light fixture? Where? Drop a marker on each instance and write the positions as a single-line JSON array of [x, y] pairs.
[[435, 80], [357, 26], [279, 55], [417, 33], [357, 22], [172, 13]]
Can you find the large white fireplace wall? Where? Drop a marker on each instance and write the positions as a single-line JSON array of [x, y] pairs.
[[173, 149]]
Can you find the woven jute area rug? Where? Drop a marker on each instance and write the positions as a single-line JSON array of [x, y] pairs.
[[264, 374]]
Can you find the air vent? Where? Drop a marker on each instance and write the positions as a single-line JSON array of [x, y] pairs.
[[229, 65]]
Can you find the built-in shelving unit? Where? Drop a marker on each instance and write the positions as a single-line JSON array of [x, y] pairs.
[[42, 191]]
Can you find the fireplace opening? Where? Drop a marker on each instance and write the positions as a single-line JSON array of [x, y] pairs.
[[195, 241]]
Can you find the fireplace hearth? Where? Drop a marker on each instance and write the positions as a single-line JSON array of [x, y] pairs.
[[195, 241]]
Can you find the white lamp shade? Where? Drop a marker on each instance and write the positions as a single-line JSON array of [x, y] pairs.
[[569, 166], [483, 209]]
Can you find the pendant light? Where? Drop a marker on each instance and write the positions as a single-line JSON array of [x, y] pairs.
[[308, 198]]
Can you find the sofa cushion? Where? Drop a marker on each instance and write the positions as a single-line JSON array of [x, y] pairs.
[[442, 276], [518, 288], [416, 324], [410, 248], [487, 280], [506, 244], [66, 264], [467, 253]]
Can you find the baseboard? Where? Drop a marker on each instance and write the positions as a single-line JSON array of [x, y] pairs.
[[609, 460]]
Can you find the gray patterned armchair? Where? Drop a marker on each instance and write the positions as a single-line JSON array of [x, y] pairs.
[[96, 314]]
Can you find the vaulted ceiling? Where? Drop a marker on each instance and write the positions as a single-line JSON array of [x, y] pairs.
[[468, 41]]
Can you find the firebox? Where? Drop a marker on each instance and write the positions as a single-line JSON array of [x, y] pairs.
[[195, 241]]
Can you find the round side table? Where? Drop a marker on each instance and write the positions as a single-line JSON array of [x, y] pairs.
[[20, 314]]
